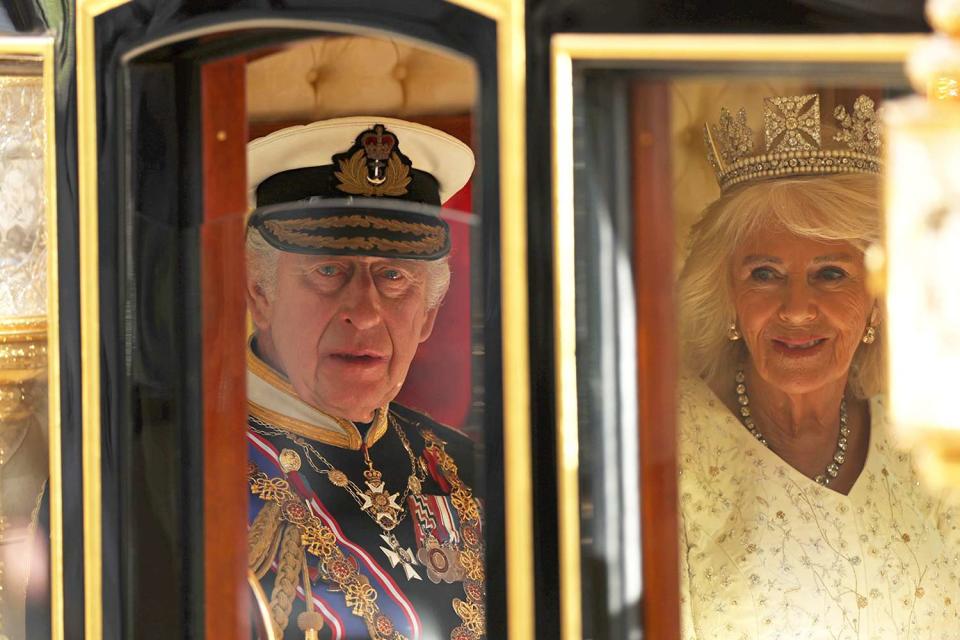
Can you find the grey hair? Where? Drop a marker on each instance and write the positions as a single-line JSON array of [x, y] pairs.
[[841, 207], [438, 281], [262, 259]]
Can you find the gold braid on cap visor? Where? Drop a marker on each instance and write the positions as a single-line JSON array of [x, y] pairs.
[[432, 238]]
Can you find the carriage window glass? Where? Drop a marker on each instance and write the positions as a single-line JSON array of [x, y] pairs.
[[788, 188], [365, 377]]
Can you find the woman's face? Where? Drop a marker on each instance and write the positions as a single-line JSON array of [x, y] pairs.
[[802, 307]]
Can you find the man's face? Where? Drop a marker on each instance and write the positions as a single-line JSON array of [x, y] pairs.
[[343, 329]]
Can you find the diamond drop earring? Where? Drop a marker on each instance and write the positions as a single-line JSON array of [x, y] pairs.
[[733, 334]]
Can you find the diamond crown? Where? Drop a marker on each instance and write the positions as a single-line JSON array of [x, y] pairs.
[[793, 144]]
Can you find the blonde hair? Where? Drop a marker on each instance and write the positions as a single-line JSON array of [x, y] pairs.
[[832, 208]]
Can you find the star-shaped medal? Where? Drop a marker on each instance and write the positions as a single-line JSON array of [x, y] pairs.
[[397, 554], [381, 505]]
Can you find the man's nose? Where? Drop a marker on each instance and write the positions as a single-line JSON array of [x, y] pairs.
[[799, 303], [361, 303]]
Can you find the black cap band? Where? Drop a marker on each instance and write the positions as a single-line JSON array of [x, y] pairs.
[[321, 182]]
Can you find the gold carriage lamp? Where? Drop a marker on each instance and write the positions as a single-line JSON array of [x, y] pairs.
[[922, 270], [23, 258]]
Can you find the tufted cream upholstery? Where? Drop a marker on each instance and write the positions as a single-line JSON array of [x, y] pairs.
[[348, 75]]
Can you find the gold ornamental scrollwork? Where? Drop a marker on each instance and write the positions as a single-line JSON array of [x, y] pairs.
[[23, 364]]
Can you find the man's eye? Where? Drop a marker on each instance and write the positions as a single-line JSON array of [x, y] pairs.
[[329, 270], [763, 274], [391, 274], [831, 274]]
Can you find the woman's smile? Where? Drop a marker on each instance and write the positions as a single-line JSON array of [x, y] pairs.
[[793, 348]]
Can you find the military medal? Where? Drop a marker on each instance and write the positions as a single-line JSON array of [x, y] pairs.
[[376, 501], [397, 554], [450, 561], [441, 560], [380, 504], [438, 541]]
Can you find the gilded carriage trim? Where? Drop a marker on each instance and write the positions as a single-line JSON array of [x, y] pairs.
[[262, 605], [38, 51], [320, 541], [290, 232], [348, 436], [509, 18], [88, 205], [568, 49]]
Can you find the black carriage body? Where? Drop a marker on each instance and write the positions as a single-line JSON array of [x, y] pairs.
[[150, 191]]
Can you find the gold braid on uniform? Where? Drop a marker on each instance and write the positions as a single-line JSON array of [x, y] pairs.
[[287, 578], [271, 553], [318, 540], [260, 538]]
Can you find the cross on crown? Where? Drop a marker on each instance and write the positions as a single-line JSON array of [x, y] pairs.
[[793, 142]]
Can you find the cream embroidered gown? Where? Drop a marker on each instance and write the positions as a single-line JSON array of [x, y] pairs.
[[766, 553]]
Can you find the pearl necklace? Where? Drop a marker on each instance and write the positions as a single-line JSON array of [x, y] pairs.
[[839, 456]]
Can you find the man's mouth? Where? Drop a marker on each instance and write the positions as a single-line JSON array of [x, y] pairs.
[[358, 357]]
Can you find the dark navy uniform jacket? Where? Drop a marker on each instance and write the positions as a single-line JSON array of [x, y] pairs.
[[445, 600]]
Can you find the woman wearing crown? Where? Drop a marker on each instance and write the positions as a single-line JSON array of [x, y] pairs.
[[799, 517]]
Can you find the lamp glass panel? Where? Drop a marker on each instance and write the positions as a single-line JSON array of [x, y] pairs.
[[923, 233]]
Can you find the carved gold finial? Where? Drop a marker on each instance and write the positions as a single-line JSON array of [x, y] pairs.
[[944, 16], [934, 66]]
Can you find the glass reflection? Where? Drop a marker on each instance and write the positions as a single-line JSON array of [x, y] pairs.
[[793, 491], [363, 410], [796, 498], [23, 357]]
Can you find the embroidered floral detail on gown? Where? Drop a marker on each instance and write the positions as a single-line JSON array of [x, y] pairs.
[[766, 553]]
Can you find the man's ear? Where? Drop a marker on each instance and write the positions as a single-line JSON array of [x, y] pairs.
[[428, 323], [258, 304]]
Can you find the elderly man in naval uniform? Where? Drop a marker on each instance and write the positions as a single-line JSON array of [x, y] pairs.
[[363, 520]]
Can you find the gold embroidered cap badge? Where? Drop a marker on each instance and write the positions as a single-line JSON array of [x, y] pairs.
[[376, 168]]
